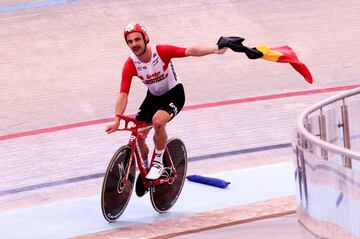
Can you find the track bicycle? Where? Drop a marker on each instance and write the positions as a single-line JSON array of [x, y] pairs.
[[120, 175]]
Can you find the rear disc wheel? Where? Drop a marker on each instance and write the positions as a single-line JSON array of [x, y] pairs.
[[164, 196]]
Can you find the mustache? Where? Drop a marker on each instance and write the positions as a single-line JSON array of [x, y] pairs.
[[134, 48]]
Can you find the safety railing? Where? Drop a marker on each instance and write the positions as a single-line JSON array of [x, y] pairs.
[[327, 148], [306, 130]]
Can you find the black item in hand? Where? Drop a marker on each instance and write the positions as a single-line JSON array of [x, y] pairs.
[[235, 44]]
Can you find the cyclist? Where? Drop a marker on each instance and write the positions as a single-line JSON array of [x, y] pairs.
[[165, 96]]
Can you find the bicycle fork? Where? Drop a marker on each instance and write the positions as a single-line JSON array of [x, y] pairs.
[[124, 173]]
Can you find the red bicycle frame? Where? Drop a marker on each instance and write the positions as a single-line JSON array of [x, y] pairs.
[[135, 130]]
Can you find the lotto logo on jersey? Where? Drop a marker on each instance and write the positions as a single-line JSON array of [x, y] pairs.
[[156, 79], [152, 76]]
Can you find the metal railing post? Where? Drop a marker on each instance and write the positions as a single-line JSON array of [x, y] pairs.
[[322, 129], [308, 145], [346, 132]]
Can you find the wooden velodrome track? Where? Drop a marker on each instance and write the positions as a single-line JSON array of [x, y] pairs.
[[61, 65]]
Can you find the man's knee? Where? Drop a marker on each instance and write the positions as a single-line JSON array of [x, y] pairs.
[[158, 123], [159, 120]]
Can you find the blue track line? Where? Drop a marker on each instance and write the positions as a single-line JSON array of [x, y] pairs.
[[22, 6], [99, 175]]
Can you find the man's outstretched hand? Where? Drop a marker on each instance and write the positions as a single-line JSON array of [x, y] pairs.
[[220, 51]]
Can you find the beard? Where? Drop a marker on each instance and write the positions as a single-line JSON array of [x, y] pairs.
[[138, 50]]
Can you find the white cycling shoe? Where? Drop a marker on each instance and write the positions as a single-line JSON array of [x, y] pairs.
[[155, 171]]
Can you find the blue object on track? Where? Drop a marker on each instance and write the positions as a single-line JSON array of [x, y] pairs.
[[208, 180]]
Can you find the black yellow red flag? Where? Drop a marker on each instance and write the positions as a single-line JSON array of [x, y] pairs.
[[282, 54]]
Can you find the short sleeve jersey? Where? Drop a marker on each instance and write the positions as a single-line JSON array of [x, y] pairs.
[[158, 74]]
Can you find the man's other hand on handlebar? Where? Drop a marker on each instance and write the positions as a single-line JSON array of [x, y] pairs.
[[111, 128]]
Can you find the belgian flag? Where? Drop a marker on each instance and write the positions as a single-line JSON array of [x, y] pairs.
[[283, 54]]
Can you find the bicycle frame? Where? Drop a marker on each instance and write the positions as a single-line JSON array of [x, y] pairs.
[[135, 150]]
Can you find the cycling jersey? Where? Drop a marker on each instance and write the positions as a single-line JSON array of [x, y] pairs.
[[158, 74]]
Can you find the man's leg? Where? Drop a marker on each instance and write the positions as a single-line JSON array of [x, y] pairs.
[[159, 121]]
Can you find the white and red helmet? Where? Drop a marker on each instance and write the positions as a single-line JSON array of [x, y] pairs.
[[136, 27]]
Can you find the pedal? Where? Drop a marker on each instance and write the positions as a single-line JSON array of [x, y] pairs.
[[167, 173]]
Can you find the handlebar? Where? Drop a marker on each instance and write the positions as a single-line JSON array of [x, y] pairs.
[[136, 124]]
